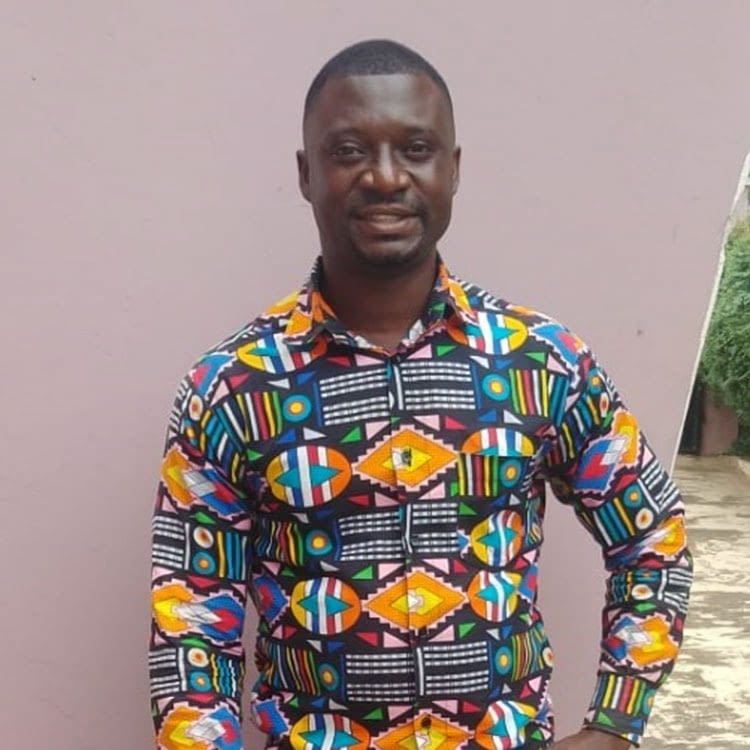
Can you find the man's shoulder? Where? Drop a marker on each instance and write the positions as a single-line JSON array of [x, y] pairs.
[[244, 358], [485, 302], [526, 328], [270, 324]]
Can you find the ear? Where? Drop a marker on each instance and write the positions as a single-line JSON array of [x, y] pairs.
[[456, 168], [303, 174]]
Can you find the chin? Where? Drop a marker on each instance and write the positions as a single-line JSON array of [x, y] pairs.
[[394, 254]]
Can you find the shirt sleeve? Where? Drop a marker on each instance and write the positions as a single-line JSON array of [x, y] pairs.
[[602, 465], [200, 558]]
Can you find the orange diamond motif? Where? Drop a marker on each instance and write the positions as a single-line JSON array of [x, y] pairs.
[[420, 601], [406, 458], [438, 734]]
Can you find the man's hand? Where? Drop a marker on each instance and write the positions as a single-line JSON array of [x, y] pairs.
[[591, 739]]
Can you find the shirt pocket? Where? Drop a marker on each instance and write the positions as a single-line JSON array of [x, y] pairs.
[[484, 475], [494, 479], [495, 461]]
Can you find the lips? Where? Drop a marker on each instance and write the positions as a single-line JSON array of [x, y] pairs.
[[387, 219]]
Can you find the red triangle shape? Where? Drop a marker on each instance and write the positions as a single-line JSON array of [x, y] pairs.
[[204, 698], [526, 692], [200, 582], [451, 424], [360, 500], [345, 361], [198, 374], [469, 708], [288, 631], [458, 566], [237, 380], [371, 638]]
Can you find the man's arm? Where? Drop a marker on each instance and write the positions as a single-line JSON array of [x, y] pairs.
[[200, 557], [602, 465]]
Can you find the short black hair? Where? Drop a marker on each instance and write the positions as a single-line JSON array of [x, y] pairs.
[[369, 58]]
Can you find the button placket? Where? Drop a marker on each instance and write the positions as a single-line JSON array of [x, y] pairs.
[[401, 460]]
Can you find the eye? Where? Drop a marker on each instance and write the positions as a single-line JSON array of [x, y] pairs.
[[419, 151], [347, 152]]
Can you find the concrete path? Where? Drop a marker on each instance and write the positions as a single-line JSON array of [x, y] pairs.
[[706, 702]]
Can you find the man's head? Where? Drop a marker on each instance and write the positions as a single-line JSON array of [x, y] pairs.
[[380, 162]]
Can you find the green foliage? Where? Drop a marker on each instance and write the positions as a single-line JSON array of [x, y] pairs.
[[741, 446], [725, 362]]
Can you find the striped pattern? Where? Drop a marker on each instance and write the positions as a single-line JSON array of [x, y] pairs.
[[171, 671], [219, 444], [453, 669], [487, 476], [288, 668], [381, 677], [226, 674], [271, 355], [169, 538], [354, 396], [613, 522], [433, 529], [495, 334], [166, 672], [527, 650], [478, 475], [306, 476], [179, 406], [372, 536], [674, 589], [262, 414], [621, 693], [231, 554], [538, 393], [659, 490], [575, 429], [354, 410], [277, 540], [421, 386]]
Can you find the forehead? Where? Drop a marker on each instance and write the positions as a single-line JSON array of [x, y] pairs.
[[407, 100]]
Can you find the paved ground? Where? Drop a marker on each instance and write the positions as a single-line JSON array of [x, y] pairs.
[[706, 703]]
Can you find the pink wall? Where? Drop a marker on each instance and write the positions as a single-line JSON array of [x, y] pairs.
[[148, 206]]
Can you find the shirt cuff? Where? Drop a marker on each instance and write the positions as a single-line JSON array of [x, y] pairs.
[[621, 706]]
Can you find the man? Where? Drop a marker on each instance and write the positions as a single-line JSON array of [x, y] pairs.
[[367, 459]]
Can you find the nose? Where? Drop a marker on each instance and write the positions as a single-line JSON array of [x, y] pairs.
[[384, 174]]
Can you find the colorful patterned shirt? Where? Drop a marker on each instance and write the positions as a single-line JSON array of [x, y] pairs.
[[383, 511]]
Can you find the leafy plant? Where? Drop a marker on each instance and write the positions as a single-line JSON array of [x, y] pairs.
[[725, 362]]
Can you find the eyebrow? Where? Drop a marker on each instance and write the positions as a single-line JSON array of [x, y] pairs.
[[409, 130]]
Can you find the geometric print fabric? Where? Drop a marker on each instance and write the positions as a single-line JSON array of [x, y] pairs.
[[383, 512]]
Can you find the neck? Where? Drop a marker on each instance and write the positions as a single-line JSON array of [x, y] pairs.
[[381, 308]]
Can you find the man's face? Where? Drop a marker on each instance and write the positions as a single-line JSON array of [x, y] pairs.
[[380, 168]]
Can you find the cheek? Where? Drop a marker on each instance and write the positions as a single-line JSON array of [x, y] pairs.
[[331, 193], [436, 183], [441, 198]]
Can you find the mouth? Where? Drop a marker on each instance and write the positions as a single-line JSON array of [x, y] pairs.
[[387, 219]]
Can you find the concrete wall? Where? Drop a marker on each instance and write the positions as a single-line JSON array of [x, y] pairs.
[[719, 427], [148, 206]]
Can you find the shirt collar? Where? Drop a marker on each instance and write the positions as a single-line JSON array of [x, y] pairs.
[[311, 315]]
